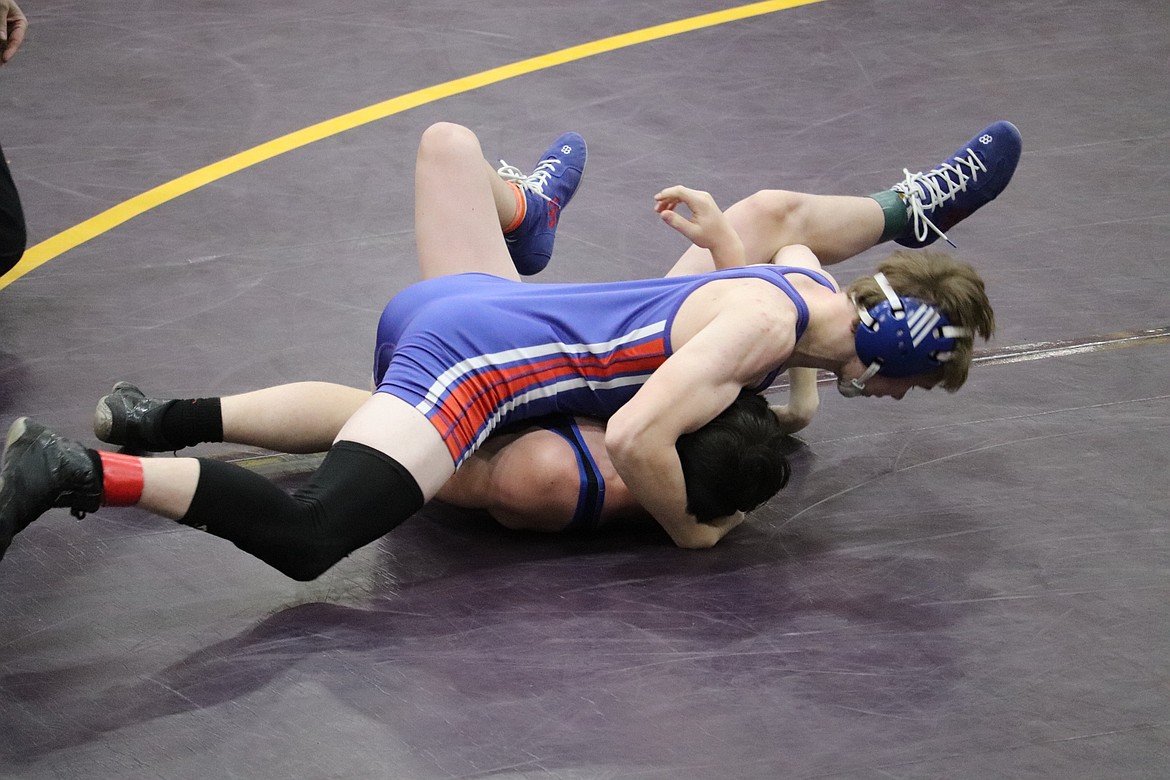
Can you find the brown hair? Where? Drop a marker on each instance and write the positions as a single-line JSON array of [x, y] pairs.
[[939, 279]]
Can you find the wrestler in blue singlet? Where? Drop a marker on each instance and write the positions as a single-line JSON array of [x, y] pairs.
[[473, 351]]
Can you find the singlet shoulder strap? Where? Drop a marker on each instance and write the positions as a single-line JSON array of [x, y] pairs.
[[591, 494], [822, 279]]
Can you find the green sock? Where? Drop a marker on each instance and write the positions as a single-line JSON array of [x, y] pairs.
[[894, 210]]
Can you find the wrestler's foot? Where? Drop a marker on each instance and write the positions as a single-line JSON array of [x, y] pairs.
[[127, 418], [42, 470], [547, 190], [955, 189]]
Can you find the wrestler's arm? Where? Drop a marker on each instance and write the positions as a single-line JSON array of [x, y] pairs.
[[803, 398], [710, 229], [701, 379], [683, 394]]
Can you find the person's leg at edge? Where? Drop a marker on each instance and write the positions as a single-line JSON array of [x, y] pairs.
[[388, 459], [13, 233]]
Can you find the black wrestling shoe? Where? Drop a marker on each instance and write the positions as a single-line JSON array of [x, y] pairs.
[[42, 470], [128, 418]]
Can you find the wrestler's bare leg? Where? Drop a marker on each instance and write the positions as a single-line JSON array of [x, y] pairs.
[[834, 227], [460, 207], [297, 417]]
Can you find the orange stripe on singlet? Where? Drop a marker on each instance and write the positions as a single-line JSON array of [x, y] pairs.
[[475, 398]]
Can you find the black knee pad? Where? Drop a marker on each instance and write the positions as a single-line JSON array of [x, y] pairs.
[[356, 496]]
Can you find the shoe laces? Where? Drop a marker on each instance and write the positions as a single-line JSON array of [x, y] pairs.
[[924, 192], [532, 182]]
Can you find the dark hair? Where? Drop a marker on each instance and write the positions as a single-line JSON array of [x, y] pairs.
[[735, 462]]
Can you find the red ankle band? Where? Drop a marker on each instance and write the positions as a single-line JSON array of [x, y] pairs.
[[521, 208], [121, 479]]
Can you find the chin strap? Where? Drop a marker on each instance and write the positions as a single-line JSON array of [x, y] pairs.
[[855, 387]]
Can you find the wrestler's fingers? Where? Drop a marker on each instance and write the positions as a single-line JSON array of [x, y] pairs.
[[671, 193], [11, 34], [666, 204], [683, 195], [681, 224]]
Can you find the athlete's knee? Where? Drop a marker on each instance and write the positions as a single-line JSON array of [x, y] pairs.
[[316, 549], [444, 140], [300, 536], [357, 496], [303, 568], [777, 209]]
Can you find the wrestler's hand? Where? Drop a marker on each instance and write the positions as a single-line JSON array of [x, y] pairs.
[[791, 419], [726, 523], [803, 400], [702, 536], [13, 24], [707, 227]]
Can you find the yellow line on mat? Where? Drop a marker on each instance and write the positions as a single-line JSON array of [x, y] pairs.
[[62, 242]]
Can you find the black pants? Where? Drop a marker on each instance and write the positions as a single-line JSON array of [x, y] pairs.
[[13, 235]]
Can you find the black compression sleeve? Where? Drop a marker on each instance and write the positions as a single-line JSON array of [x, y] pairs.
[[356, 496]]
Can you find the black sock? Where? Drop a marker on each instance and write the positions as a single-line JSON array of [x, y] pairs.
[[192, 421]]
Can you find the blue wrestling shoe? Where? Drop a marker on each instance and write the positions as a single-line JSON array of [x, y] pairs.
[[955, 189], [547, 190], [42, 470]]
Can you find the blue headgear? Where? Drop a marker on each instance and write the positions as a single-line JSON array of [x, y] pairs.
[[901, 337]]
